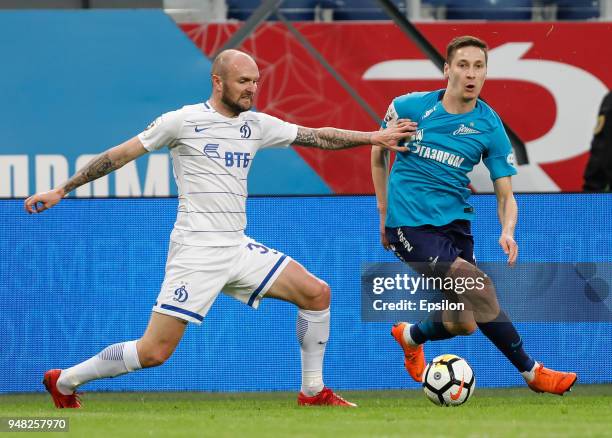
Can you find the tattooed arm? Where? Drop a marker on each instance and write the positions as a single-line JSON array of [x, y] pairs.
[[103, 164], [332, 138]]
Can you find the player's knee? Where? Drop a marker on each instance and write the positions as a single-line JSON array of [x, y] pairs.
[[325, 292], [487, 300], [464, 328], [488, 311], [492, 305], [322, 295], [318, 296], [481, 296]]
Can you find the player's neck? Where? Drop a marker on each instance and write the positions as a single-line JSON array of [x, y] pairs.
[[455, 105], [221, 108]]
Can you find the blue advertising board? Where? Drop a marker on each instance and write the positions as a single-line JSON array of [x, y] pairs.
[[86, 273]]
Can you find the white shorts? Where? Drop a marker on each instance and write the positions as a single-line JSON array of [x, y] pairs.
[[195, 275]]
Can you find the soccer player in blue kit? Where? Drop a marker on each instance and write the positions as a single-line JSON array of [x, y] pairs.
[[425, 216]]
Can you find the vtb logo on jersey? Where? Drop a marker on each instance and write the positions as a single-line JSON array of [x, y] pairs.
[[237, 159], [211, 150], [245, 131], [232, 159]]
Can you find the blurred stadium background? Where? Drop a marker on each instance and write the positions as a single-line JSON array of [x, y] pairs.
[[80, 76]]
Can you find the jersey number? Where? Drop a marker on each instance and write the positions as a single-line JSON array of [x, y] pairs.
[[263, 249]]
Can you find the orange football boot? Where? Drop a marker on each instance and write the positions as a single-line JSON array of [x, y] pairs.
[[554, 382], [414, 356]]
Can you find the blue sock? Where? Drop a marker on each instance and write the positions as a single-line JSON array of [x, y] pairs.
[[430, 329], [504, 336]]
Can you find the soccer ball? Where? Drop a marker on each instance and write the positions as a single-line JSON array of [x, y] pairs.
[[449, 381]]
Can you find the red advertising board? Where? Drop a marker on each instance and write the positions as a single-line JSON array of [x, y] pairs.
[[546, 80]]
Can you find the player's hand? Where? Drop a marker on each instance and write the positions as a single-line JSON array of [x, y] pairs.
[[47, 199], [506, 241], [393, 134], [383, 236]]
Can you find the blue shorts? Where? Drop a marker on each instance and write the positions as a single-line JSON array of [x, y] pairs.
[[432, 246]]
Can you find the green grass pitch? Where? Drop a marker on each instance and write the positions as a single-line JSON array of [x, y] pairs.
[[511, 412]]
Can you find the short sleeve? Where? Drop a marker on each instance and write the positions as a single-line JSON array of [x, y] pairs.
[[409, 106], [162, 131], [499, 157], [276, 132], [390, 115]]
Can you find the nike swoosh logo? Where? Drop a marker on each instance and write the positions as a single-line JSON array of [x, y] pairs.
[[200, 130], [456, 395], [517, 345]]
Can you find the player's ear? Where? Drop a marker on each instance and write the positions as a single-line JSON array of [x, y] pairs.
[[216, 82], [446, 68]]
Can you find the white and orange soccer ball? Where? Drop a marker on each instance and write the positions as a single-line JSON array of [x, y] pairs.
[[449, 380]]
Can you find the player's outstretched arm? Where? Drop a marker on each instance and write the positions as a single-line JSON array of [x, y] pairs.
[[333, 138], [507, 210], [108, 161]]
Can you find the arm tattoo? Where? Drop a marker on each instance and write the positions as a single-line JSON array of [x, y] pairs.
[[99, 166], [331, 138]]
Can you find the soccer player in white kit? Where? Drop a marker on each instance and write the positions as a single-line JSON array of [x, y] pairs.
[[212, 145]]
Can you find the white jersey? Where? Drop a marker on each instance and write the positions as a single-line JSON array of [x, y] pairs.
[[211, 156]]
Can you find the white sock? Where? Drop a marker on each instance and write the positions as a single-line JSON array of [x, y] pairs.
[[313, 333], [407, 337], [530, 375], [113, 361]]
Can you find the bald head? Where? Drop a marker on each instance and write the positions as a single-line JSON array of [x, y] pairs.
[[231, 60], [234, 79]]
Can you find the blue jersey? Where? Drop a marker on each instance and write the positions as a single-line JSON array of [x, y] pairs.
[[429, 184]]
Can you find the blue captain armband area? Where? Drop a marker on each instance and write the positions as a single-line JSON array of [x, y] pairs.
[[501, 166]]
